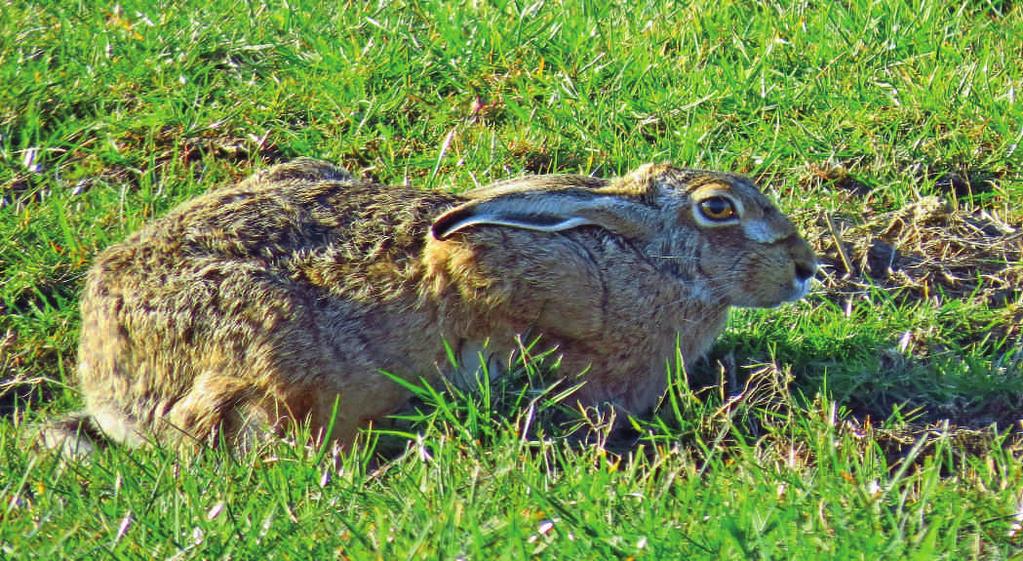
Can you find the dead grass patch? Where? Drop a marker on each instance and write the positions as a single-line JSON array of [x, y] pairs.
[[926, 250]]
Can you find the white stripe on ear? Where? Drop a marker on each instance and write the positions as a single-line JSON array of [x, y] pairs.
[[538, 223], [547, 208]]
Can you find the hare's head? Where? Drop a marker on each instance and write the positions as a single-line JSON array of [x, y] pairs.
[[714, 232]]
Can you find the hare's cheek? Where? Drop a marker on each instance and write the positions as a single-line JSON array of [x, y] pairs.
[[719, 277], [761, 280], [779, 283]]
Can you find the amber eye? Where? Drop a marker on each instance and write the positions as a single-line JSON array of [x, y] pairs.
[[717, 208]]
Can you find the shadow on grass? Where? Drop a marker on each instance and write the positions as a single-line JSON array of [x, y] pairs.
[[876, 374]]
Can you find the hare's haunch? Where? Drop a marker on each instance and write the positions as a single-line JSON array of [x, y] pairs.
[[261, 304]]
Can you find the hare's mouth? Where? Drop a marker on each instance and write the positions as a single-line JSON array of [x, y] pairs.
[[797, 290], [800, 288]]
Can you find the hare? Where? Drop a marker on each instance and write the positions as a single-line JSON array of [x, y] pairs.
[[263, 304]]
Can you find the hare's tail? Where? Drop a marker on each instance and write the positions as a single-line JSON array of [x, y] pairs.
[[73, 436]]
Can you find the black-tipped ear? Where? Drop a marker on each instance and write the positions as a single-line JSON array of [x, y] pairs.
[[547, 210]]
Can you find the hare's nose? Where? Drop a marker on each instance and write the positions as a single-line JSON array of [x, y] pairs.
[[804, 272]]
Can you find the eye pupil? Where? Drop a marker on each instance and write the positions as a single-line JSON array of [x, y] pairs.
[[717, 208]]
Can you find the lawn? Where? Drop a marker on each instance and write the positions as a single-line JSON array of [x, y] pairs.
[[877, 419]]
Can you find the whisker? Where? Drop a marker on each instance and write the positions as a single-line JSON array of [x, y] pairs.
[[675, 257]]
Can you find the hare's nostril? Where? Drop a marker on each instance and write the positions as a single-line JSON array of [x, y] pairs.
[[804, 271]]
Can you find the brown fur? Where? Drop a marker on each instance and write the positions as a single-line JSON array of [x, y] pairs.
[[256, 306]]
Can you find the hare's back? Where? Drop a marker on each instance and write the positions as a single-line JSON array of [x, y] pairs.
[[294, 217], [263, 244], [275, 222]]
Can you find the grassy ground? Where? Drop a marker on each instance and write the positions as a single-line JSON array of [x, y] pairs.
[[889, 131]]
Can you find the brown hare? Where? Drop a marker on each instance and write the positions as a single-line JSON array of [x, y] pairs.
[[259, 305]]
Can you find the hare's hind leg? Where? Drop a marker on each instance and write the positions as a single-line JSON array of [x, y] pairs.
[[218, 409], [232, 408]]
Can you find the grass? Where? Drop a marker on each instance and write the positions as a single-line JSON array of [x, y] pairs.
[[821, 432], [470, 487]]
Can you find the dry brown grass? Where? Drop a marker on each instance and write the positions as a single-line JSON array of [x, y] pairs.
[[926, 250]]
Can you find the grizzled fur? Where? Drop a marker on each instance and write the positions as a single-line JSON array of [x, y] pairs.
[[259, 305]]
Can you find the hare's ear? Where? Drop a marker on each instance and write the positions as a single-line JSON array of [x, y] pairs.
[[548, 211]]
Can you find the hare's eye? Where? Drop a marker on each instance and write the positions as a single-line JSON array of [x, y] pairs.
[[717, 208]]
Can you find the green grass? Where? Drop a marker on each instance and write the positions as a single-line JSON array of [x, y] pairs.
[[472, 487], [111, 117]]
